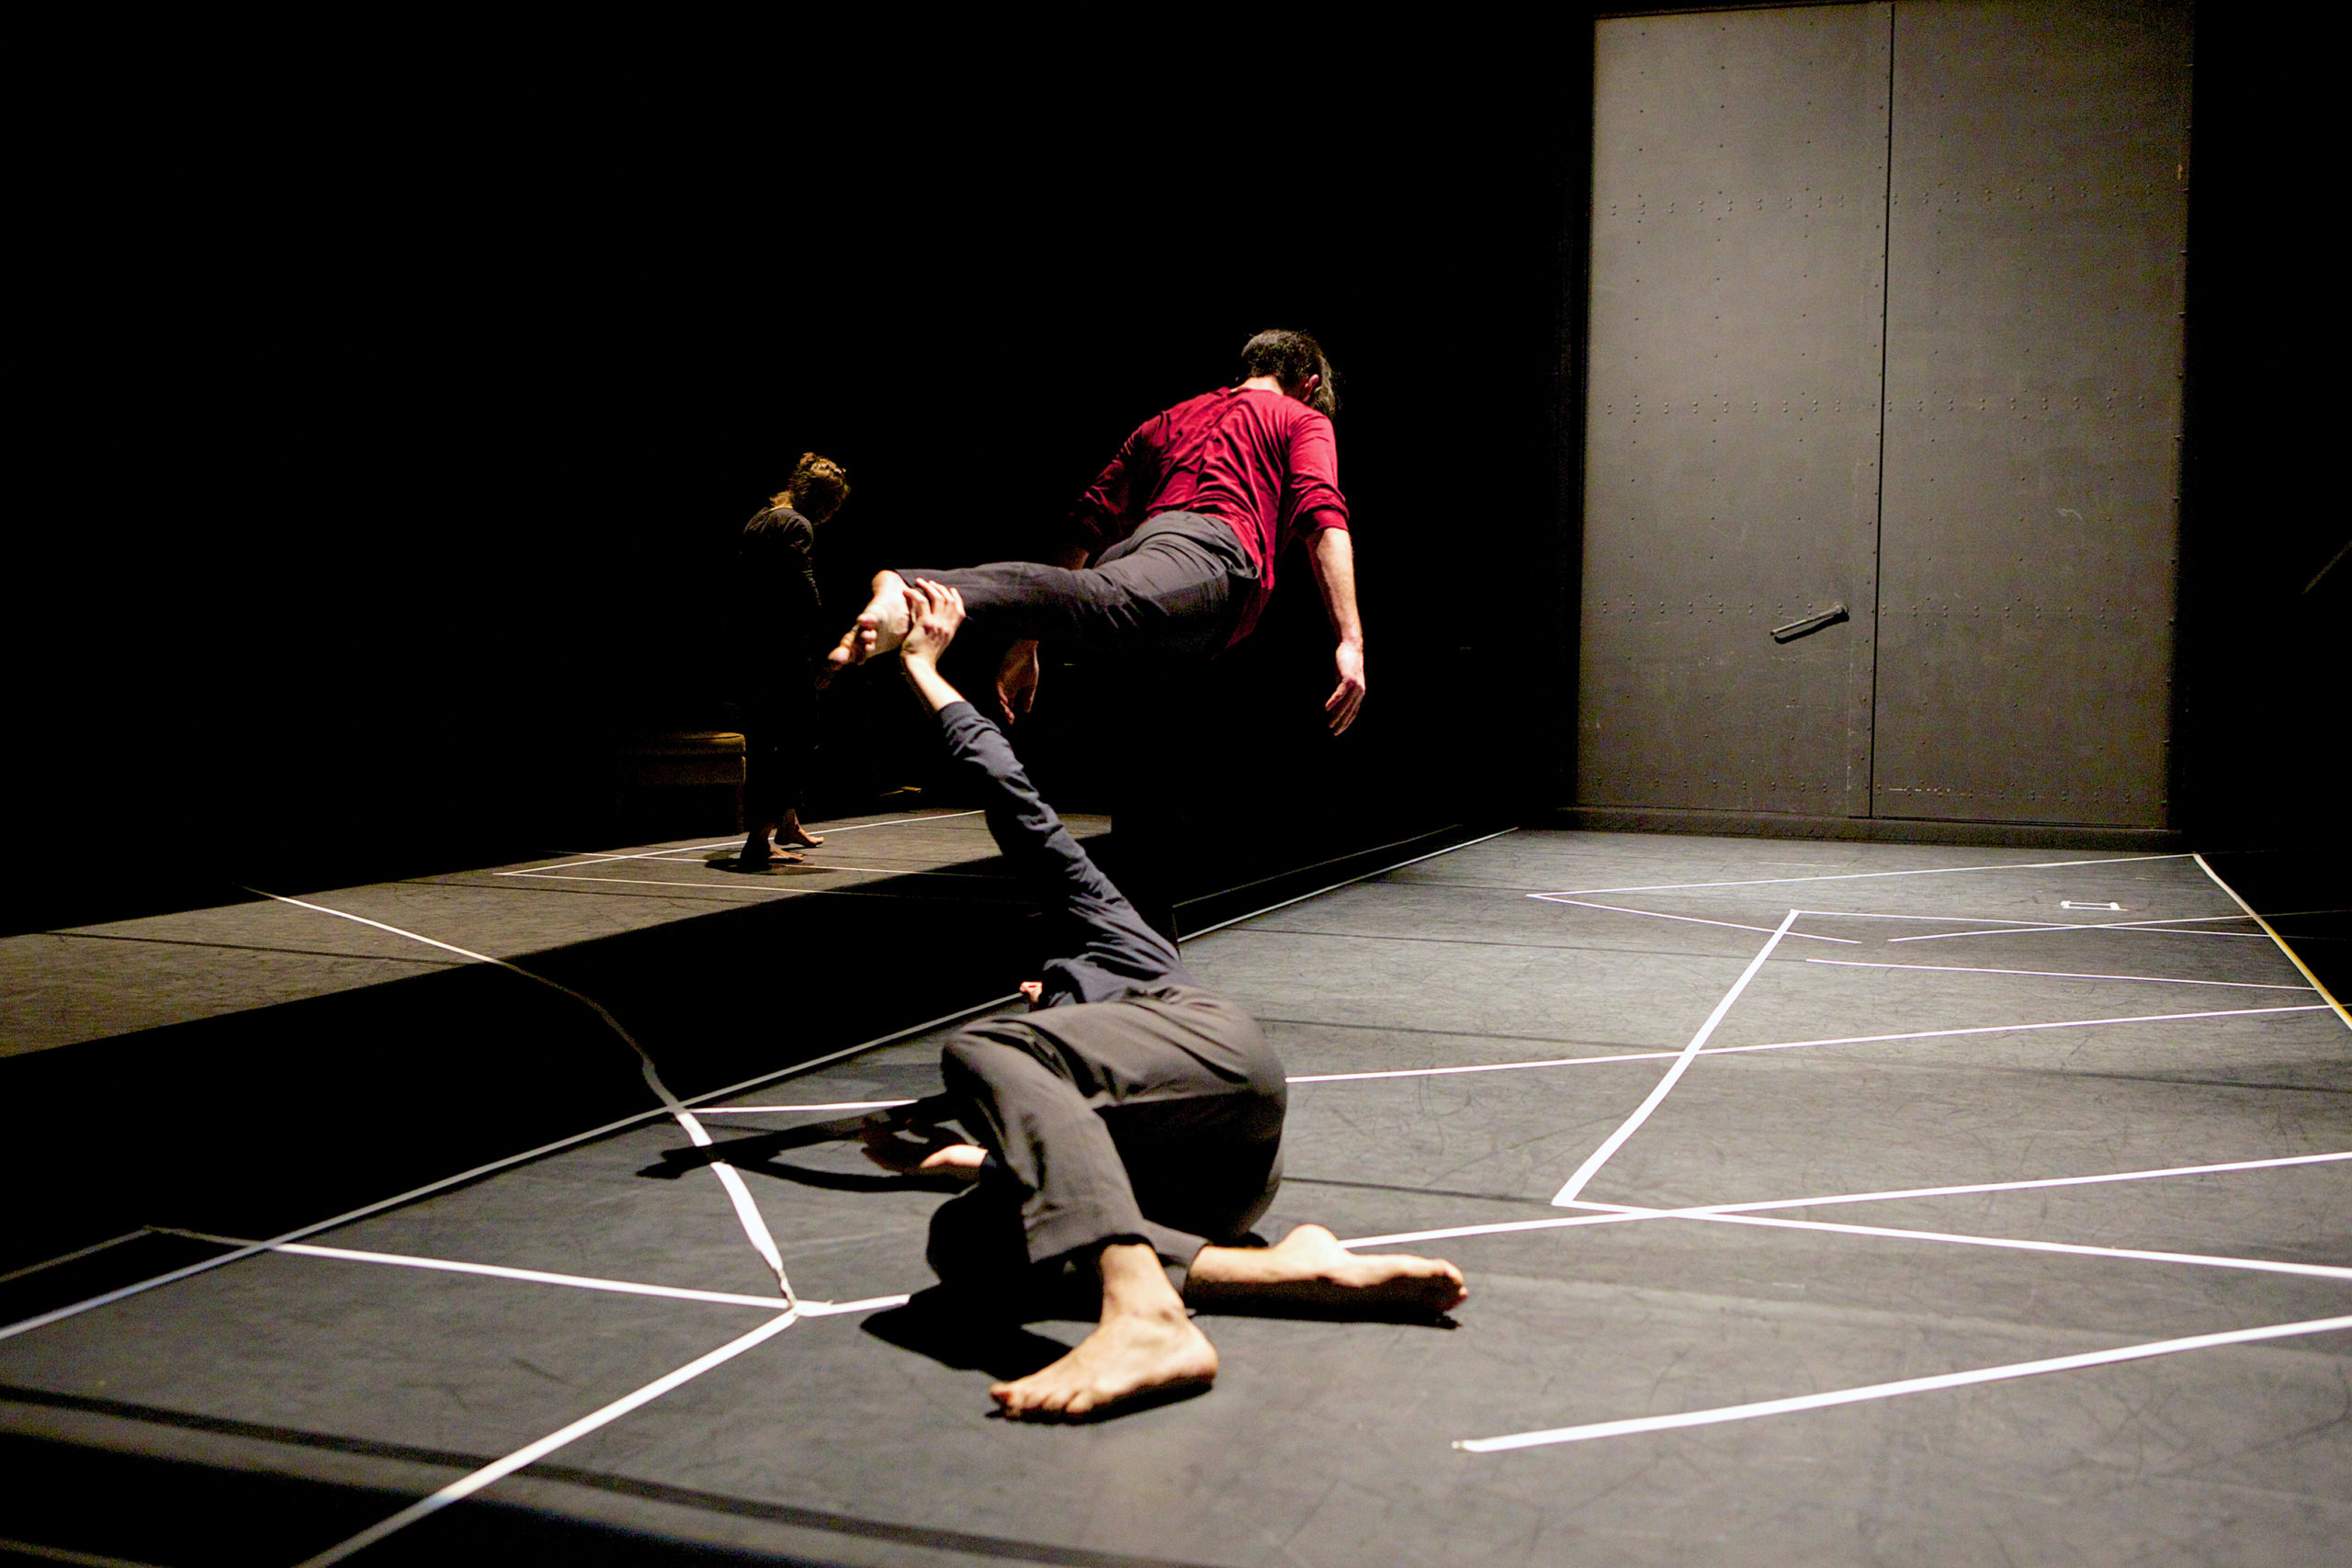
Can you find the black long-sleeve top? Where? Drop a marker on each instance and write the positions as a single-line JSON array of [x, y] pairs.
[[1108, 953], [777, 554]]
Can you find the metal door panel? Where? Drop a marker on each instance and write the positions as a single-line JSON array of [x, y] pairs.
[[1732, 419], [2035, 268]]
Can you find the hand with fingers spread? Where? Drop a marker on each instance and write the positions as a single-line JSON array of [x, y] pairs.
[[934, 611]]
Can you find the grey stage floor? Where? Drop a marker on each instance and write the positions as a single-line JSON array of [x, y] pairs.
[[1467, 1037]]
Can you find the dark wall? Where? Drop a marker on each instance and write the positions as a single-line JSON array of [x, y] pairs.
[[405, 395], [2267, 623], [397, 396]]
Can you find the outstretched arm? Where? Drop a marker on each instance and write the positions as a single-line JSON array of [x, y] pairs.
[[1335, 573], [1109, 945], [1023, 826]]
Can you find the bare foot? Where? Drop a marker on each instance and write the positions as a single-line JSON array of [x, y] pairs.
[[1309, 1268], [1147, 1352], [757, 851], [880, 628], [795, 834]]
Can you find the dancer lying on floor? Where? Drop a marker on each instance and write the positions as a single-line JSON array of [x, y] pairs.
[[1132, 1123], [1188, 519]]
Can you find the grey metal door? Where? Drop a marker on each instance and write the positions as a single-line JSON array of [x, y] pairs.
[[2036, 263], [1967, 216], [1732, 423]]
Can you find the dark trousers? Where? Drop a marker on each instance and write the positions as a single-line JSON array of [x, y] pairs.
[[1176, 586], [779, 716], [1156, 1120]]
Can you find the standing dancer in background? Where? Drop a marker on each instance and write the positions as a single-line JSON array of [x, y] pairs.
[[779, 639], [1132, 1125], [1184, 530]]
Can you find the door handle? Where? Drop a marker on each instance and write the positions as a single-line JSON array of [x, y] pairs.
[[1811, 623]]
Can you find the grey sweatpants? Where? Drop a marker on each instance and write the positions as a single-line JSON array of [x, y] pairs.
[[1155, 1120]]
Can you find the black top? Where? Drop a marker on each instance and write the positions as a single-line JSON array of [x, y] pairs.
[[1112, 955], [776, 557]]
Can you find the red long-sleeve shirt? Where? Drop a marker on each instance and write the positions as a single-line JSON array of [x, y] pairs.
[[1263, 464]]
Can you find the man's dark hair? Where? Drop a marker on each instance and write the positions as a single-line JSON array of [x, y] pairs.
[[1291, 357]]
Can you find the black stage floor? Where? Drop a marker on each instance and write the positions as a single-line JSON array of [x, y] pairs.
[[1670, 1102]]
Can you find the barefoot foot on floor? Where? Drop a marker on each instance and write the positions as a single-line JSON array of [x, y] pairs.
[[1142, 1353], [1309, 1268]]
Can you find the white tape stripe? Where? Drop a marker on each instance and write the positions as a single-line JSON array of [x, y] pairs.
[[1799, 1044], [746, 1211], [607, 860], [2026, 925], [688, 849], [1484, 1067], [79, 1252], [1616, 1140], [2012, 1243], [474, 1173], [2292, 956], [530, 1453], [502, 1271], [61, 1554], [864, 890], [870, 1303], [670, 882], [541, 1276], [2013, 1027], [1864, 876], [1907, 1385], [2060, 974], [1507, 1227], [808, 866], [1689, 920], [2149, 928], [837, 1105]]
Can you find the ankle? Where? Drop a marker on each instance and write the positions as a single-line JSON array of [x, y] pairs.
[[1134, 1284]]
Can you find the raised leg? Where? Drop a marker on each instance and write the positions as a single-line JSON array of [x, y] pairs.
[[880, 628]]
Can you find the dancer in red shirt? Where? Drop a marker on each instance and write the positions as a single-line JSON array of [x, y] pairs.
[[1183, 529]]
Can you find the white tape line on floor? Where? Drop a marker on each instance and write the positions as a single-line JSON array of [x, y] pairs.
[[2060, 974], [2011, 1244], [1504, 1227], [542, 1277], [1862, 876], [746, 1211], [531, 1453], [1905, 1386], [1616, 1140], [1687, 920]]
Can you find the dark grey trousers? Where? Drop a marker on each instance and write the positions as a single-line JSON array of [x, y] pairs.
[[1156, 1120], [1176, 585]]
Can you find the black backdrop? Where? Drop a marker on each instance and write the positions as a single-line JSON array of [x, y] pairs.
[[410, 392], [396, 394]]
